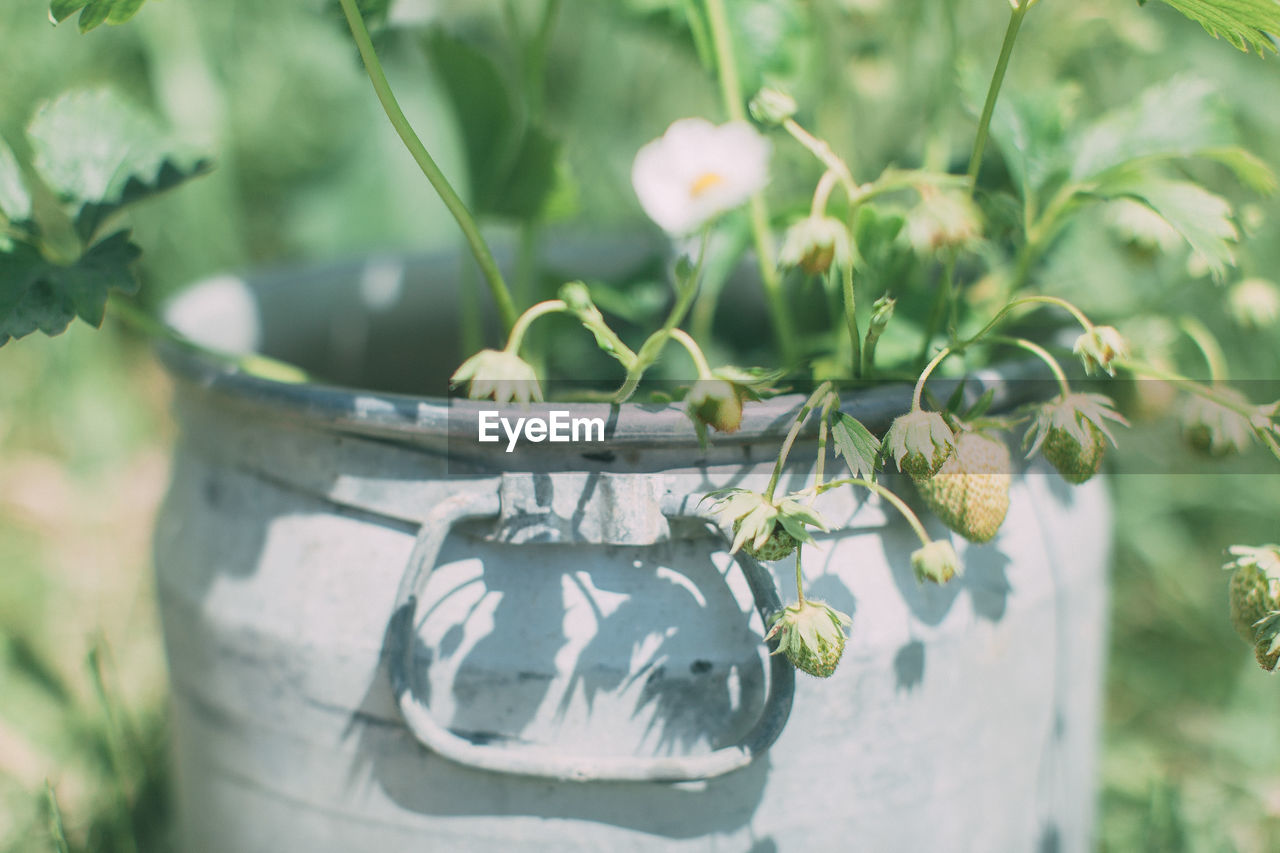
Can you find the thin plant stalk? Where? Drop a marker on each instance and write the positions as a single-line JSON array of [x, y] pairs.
[[652, 347], [898, 503], [731, 90], [1041, 353], [993, 91], [851, 317], [470, 230], [803, 415]]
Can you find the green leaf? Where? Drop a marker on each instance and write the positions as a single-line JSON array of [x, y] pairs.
[[883, 260], [100, 153], [530, 180], [1247, 167], [95, 12], [39, 295], [956, 398], [1176, 119], [60, 10], [775, 41], [856, 444], [512, 166], [981, 405], [1244, 23], [1202, 218], [1029, 131]]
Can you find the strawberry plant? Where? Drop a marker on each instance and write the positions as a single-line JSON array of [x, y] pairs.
[[935, 261]]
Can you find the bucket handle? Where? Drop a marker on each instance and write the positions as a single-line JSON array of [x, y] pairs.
[[541, 761]]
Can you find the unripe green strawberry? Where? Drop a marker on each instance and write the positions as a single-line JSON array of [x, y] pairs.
[[1266, 659], [779, 545], [1266, 645], [1076, 462], [970, 492], [811, 635], [1252, 596], [1072, 433]]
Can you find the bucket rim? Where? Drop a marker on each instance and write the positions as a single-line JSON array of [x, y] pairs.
[[374, 413]]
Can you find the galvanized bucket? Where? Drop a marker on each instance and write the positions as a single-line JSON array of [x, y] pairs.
[[383, 637]]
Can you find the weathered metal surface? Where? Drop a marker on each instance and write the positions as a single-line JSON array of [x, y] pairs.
[[578, 616]]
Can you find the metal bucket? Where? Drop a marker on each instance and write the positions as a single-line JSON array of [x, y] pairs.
[[380, 637]]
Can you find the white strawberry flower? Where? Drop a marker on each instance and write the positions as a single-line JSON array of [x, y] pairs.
[[698, 170]]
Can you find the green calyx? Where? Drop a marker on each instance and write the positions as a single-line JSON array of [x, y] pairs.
[[1072, 433], [919, 442], [767, 530], [811, 635]]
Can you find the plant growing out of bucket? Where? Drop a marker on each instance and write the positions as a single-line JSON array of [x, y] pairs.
[[978, 245]]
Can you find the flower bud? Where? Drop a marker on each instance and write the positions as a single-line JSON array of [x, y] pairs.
[[576, 295], [1254, 303], [1099, 347], [943, 220], [936, 562], [1213, 428], [716, 403], [814, 243], [920, 442], [772, 106], [881, 314], [502, 375]]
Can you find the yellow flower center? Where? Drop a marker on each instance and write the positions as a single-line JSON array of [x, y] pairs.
[[705, 182]]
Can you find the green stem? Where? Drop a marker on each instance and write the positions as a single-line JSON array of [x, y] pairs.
[[961, 346], [901, 179], [1040, 233], [898, 503], [819, 468], [1248, 410], [480, 249], [1208, 346], [941, 301], [851, 317], [522, 324], [825, 155], [1026, 300], [537, 57], [924, 376], [681, 337], [652, 347], [993, 93], [819, 393], [57, 831], [1042, 354], [252, 363], [822, 194], [731, 91], [799, 576], [874, 330]]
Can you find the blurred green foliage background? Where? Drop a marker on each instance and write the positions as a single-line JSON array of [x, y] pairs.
[[307, 169]]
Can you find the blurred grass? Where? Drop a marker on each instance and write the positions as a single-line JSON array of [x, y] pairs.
[[1192, 749]]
